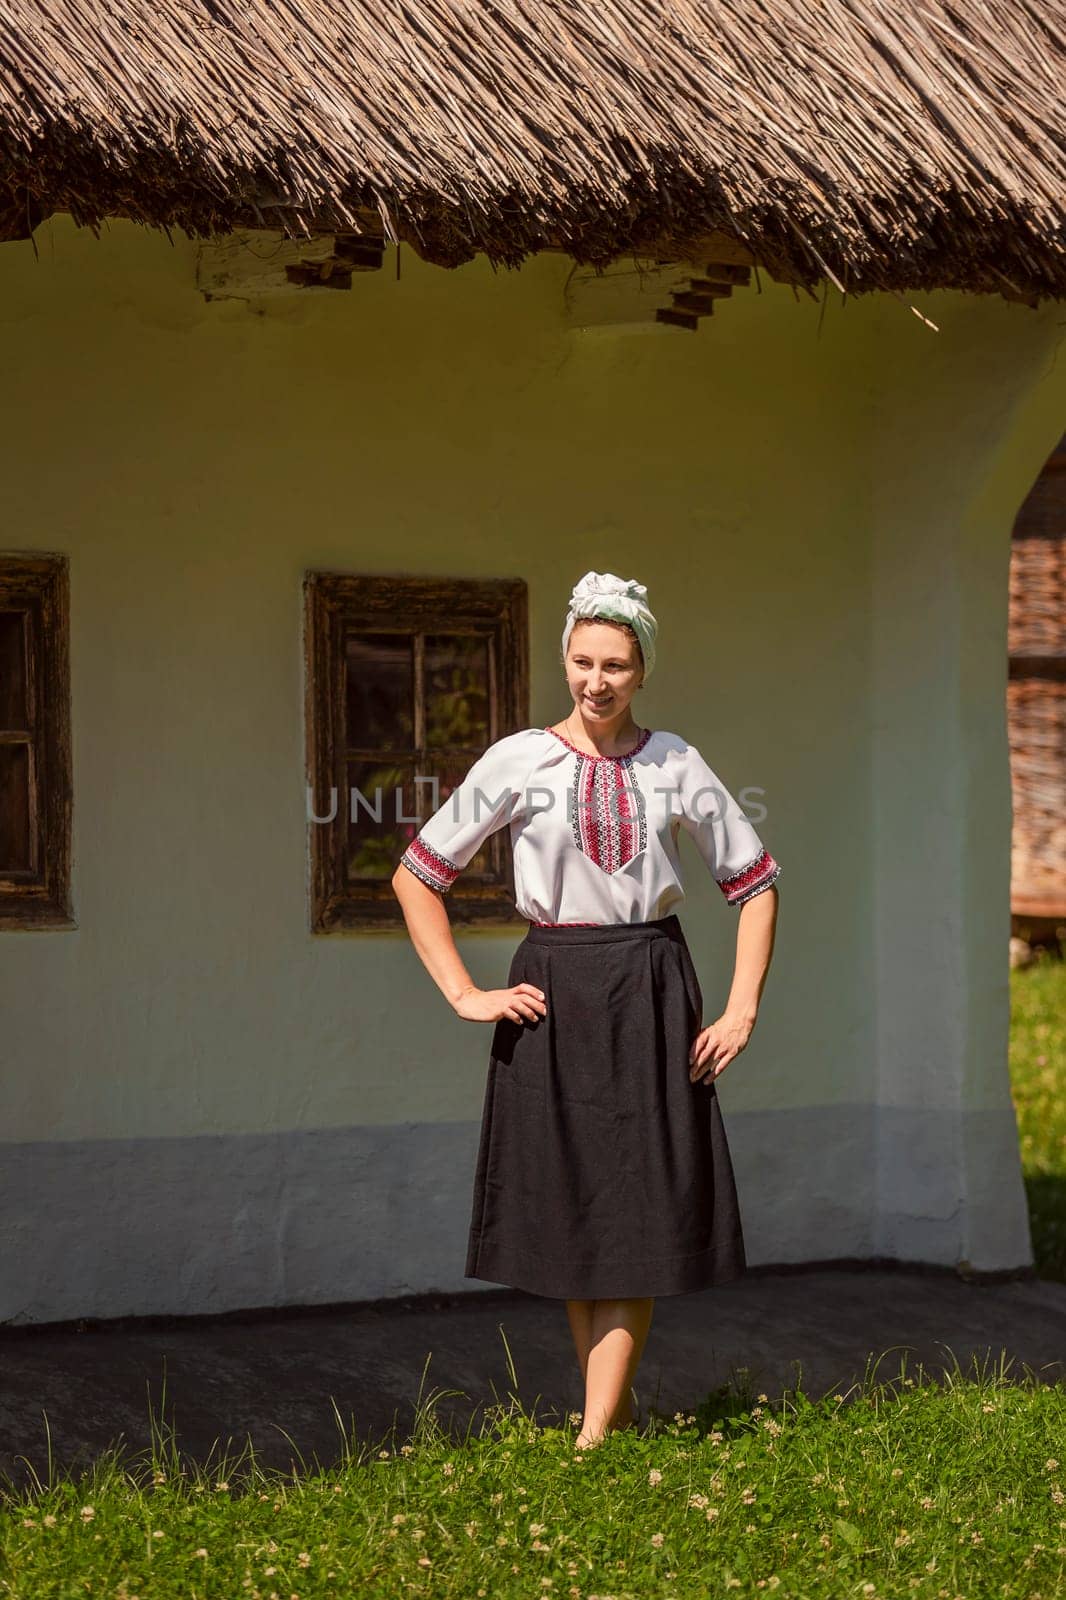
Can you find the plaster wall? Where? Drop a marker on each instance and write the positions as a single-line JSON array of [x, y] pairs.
[[202, 1105]]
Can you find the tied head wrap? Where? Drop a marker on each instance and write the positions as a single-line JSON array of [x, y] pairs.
[[601, 594]]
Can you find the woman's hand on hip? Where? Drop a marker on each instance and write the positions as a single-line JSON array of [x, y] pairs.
[[522, 1003], [716, 1046]]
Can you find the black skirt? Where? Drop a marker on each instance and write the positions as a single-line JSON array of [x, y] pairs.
[[603, 1171]]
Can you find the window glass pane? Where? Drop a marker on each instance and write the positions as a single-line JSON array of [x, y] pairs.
[[376, 838], [457, 690], [379, 691], [15, 808], [13, 671]]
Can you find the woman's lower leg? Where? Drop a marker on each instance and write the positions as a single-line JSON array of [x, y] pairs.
[[609, 1336], [580, 1314]]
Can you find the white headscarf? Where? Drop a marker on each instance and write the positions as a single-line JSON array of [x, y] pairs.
[[601, 594]]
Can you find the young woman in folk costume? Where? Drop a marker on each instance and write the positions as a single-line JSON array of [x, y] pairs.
[[603, 1174]]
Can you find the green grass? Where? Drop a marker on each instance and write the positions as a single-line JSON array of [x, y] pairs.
[[1038, 1086], [937, 1488], [906, 1486]]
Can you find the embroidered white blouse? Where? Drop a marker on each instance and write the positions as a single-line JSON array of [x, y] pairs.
[[594, 838]]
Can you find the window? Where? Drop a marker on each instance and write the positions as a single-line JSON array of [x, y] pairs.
[[35, 768], [408, 681]]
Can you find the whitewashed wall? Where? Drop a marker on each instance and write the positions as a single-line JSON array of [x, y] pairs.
[[203, 1106]]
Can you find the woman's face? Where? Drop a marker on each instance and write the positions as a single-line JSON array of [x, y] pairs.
[[603, 669]]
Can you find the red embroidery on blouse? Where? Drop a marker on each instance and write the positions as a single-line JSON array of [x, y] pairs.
[[569, 924], [750, 880], [608, 819], [641, 742], [429, 865]]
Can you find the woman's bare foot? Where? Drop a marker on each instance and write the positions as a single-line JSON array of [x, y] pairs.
[[621, 1419]]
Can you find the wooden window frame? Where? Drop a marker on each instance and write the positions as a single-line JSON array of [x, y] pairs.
[[39, 585], [335, 602]]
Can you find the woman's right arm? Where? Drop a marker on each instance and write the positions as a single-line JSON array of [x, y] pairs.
[[430, 928]]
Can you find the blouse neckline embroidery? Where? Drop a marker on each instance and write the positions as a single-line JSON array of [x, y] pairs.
[[606, 808], [587, 756]]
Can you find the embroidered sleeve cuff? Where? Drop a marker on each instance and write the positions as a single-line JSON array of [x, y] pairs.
[[750, 880], [429, 865]]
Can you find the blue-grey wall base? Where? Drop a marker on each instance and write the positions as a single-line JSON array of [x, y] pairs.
[[136, 1227]]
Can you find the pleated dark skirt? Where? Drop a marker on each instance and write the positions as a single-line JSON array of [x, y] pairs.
[[603, 1171]]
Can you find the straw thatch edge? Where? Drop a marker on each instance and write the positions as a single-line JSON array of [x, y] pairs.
[[1005, 253]]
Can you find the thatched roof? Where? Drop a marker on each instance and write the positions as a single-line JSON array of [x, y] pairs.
[[881, 143]]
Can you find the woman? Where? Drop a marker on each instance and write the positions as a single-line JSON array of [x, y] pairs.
[[603, 1174]]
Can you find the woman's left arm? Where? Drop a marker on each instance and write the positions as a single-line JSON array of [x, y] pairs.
[[719, 1043]]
